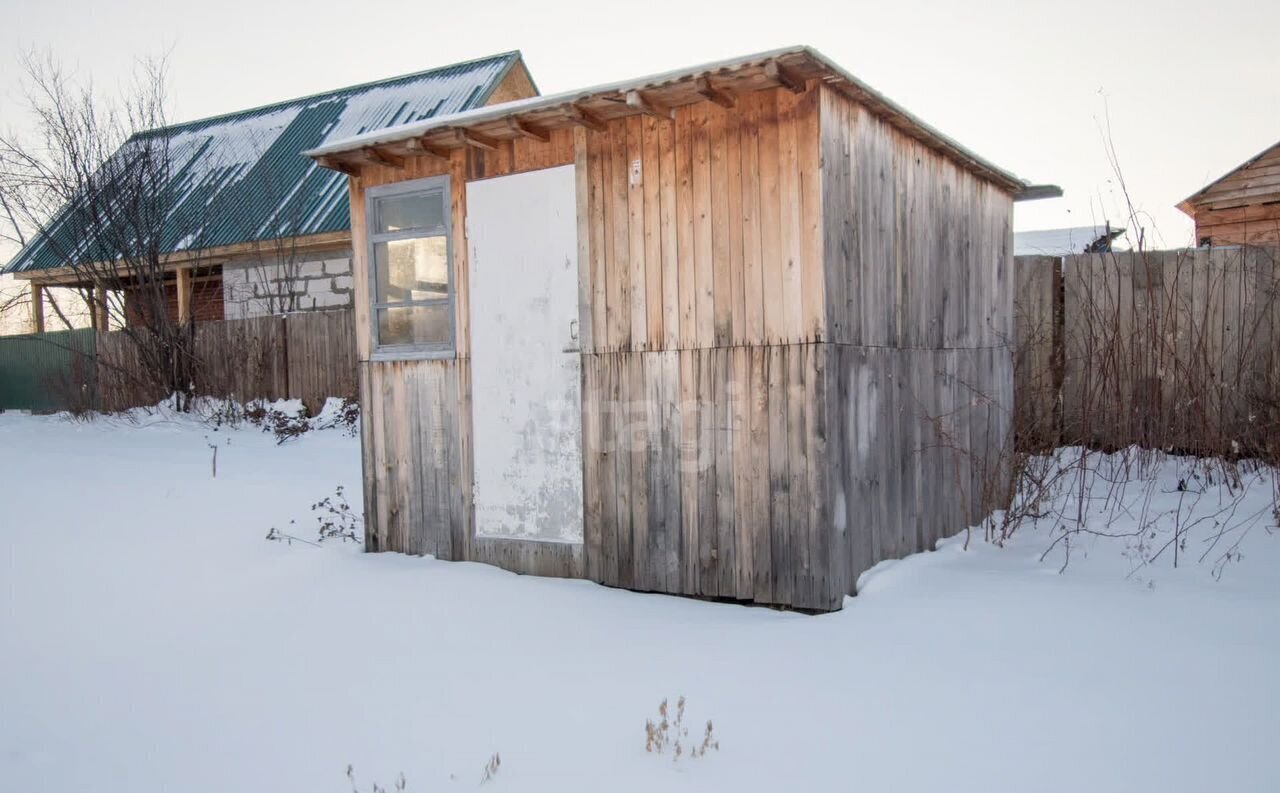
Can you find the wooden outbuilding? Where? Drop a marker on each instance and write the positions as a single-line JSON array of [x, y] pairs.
[[739, 331], [1242, 207]]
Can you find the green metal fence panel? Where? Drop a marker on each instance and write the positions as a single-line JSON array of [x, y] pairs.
[[46, 372]]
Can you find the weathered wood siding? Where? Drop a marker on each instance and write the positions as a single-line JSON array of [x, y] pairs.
[[914, 447], [1257, 224], [416, 419], [706, 472], [706, 230], [1243, 207], [918, 265], [918, 250]]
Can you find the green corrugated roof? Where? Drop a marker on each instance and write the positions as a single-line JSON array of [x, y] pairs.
[[241, 178]]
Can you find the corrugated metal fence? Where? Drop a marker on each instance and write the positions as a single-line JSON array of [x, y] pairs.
[[308, 356], [44, 372]]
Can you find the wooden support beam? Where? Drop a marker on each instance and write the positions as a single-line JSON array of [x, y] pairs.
[[184, 294], [710, 92], [37, 308], [103, 308], [783, 77], [427, 147], [335, 164], [90, 295], [638, 101], [379, 157], [475, 140], [583, 117], [525, 130]]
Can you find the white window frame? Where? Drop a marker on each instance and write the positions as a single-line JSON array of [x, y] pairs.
[[430, 184]]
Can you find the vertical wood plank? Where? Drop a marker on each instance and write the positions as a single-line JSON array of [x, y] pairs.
[[651, 183], [809, 173], [780, 554], [752, 274], [600, 241], [721, 228], [703, 250], [619, 264], [771, 247], [685, 222], [585, 215], [668, 225], [636, 217], [789, 190], [593, 397]]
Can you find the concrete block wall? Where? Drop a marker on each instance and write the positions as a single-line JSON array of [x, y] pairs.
[[255, 289]]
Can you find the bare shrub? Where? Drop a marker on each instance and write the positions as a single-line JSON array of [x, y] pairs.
[[1155, 373], [336, 519], [346, 418]]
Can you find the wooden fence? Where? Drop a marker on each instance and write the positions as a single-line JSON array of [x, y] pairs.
[[1176, 350], [309, 356]]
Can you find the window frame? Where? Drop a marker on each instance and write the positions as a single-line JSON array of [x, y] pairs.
[[423, 350]]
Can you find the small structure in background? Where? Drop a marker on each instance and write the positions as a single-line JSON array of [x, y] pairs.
[[1067, 241], [735, 331], [1242, 207], [271, 233]]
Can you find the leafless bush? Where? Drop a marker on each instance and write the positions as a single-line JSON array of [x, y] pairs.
[[336, 519], [1157, 374], [346, 418]]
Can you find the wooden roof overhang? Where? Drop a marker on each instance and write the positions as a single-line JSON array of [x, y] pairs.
[[721, 83], [1191, 203], [198, 258]]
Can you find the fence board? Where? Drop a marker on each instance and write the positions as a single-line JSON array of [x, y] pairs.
[[321, 356]]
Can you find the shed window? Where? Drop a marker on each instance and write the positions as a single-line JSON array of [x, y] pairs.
[[411, 272]]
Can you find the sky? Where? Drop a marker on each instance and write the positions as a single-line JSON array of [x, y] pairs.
[[1183, 91]]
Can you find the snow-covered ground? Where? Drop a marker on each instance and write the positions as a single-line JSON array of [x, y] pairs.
[[152, 639]]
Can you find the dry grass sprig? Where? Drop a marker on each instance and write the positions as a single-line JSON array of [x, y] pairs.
[[669, 734]]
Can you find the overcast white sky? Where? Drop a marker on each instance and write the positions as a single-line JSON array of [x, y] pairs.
[[1191, 89]]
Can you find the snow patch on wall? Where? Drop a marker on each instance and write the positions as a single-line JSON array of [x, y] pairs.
[[866, 412]]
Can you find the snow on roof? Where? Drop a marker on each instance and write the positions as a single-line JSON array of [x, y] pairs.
[[1065, 242], [243, 174]]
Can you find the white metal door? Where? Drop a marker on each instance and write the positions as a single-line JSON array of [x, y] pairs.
[[526, 400]]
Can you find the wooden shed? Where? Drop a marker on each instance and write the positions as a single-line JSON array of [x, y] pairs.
[[1242, 207], [738, 331]]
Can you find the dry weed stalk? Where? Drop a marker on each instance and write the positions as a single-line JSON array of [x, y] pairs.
[[669, 734], [491, 768], [401, 784]]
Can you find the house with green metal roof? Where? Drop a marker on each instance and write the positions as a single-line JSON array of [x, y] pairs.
[[274, 230]]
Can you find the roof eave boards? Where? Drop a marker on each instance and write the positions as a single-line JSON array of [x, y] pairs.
[[592, 107]]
